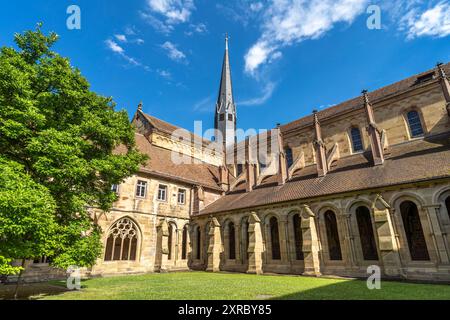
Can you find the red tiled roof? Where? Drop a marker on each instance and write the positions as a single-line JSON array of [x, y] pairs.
[[160, 163], [414, 161], [357, 103]]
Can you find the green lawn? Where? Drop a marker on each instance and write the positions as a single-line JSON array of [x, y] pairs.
[[202, 285]]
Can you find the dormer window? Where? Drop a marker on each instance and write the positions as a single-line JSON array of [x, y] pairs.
[[414, 123], [425, 78], [357, 144]]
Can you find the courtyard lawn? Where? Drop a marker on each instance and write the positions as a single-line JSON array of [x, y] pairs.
[[225, 286]]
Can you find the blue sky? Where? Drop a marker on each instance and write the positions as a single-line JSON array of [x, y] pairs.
[[288, 57]]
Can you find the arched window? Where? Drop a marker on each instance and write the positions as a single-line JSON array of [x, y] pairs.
[[122, 241], [334, 246], [184, 243], [239, 169], [447, 204], [231, 241], [275, 239], [170, 241], [368, 244], [289, 157], [357, 144], [297, 222], [414, 123], [245, 241], [198, 247], [414, 232]]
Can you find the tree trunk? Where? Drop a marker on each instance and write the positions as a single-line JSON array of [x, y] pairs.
[[16, 291]]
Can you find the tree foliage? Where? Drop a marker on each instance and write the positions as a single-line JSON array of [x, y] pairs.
[[57, 142]]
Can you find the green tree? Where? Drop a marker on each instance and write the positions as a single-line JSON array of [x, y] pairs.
[[57, 142]]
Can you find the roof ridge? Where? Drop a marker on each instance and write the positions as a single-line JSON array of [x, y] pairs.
[[376, 94]]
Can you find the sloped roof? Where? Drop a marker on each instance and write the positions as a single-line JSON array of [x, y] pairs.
[[160, 163], [357, 103], [169, 128], [414, 161]]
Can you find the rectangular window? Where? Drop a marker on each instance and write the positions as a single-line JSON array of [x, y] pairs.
[[141, 189], [222, 117], [181, 196], [230, 117], [162, 193], [115, 188]]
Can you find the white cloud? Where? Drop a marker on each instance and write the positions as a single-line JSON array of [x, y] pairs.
[[157, 24], [164, 73], [172, 51], [170, 12], [205, 105], [199, 28], [287, 22], [113, 46], [256, 6], [266, 95], [121, 37], [433, 22]]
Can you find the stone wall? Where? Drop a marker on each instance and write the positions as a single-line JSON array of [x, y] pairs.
[[393, 252], [390, 115]]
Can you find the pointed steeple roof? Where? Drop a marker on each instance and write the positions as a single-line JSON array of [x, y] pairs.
[[225, 98]]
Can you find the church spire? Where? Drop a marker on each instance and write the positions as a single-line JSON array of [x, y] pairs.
[[225, 118]]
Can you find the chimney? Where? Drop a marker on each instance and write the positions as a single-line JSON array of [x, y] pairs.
[[445, 85], [374, 133], [250, 167], [282, 166], [224, 178], [319, 146]]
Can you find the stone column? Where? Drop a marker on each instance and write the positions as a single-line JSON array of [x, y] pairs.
[[389, 250], [255, 245], [350, 240], [162, 247], [438, 237], [282, 228], [215, 246], [310, 246]]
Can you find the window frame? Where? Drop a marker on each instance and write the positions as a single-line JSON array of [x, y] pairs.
[[145, 184], [408, 124], [117, 188], [165, 187], [181, 191], [352, 141]]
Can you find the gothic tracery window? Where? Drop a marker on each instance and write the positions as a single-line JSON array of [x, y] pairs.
[[170, 240], [289, 157], [297, 220], [184, 243], [245, 238], [414, 232], [122, 241], [366, 235], [357, 144], [334, 246], [275, 238], [198, 247], [447, 205], [415, 125], [231, 241]]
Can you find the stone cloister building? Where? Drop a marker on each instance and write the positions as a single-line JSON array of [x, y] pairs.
[[365, 182]]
